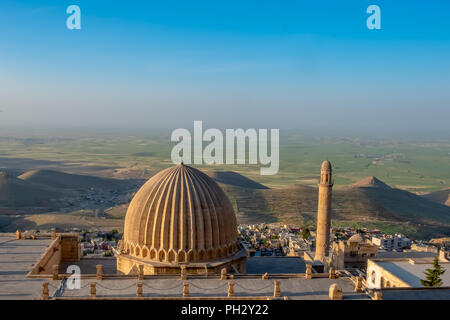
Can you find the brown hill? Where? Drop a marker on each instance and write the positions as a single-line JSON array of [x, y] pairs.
[[369, 202], [403, 204], [298, 204], [234, 179], [18, 193], [366, 202], [48, 190], [370, 182], [57, 179], [441, 196]]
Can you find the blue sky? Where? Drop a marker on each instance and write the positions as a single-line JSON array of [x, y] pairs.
[[275, 64]]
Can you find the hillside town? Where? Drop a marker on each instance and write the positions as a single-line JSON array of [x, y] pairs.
[[275, 240]]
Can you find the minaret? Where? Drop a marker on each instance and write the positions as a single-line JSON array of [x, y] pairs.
[[324, 212]]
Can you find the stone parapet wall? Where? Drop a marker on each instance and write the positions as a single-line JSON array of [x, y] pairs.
[[65, 247], [70, 247], [50, 257]]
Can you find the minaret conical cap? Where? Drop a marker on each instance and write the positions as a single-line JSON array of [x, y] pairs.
[[326, 166]]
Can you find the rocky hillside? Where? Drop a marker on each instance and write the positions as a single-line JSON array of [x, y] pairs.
[[441, 196], [369, 202]]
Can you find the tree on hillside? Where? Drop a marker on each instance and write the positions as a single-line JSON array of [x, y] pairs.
[[305, 233], [433, 276]]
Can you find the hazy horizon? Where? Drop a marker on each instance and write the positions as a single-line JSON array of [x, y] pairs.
[[258, 64]]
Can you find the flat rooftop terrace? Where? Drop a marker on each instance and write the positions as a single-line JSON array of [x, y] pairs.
[[294, 288], [260, 265], [255, 265], [17, 257]]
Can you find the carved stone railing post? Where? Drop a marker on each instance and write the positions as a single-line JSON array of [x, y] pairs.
[[276, 289], [332, 273], [230, 289], [223, 274], [378, 295], [308, 273], [183, 273], [335, 292], [45, 291], [185, 290], [99, 272], [141, 272], [358, 285], [93, 290], [139, 290]]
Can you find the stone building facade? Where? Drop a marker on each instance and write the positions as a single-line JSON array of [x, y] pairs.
[[352, 253]]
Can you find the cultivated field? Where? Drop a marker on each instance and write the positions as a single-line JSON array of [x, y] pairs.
[[415, 165], [418, 166]]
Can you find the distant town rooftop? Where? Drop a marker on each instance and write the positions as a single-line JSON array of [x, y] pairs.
[[411, 272]]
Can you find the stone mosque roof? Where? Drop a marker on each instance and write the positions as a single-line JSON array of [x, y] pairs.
[[180, 215], [356, 238]]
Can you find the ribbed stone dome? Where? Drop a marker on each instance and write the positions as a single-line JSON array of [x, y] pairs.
[[180, 215]]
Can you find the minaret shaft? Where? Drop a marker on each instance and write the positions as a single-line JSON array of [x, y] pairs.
[[324, 213]]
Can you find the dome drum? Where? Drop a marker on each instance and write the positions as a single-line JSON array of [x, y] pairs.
[[175, 256]]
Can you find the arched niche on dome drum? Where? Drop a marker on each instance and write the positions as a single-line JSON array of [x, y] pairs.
[[182, 256], [210, 254], [172, 256], [153, 254], [190, 256], [162, 255], [144, 253], [218, 253], [201, 256], [224, 251]]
